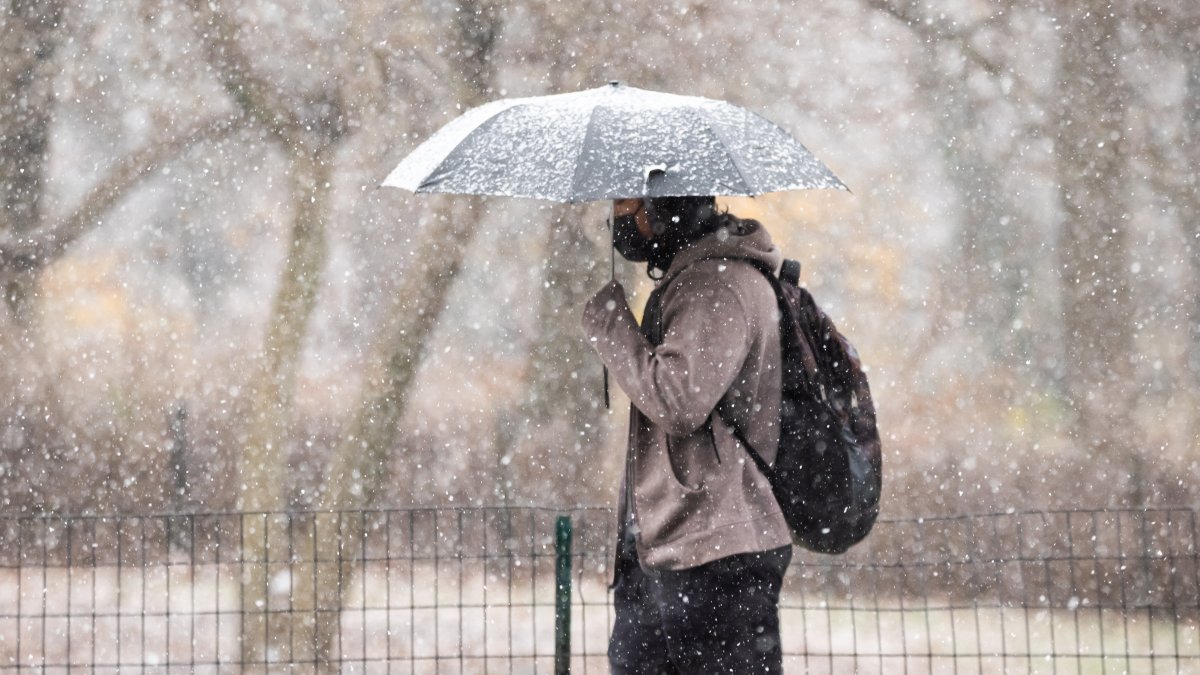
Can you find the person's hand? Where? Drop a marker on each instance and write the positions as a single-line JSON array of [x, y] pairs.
[[608, 299]]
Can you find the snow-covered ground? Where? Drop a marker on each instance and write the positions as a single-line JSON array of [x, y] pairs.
[[461, 619]]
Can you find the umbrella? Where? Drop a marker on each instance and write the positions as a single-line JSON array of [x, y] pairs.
[[604, 143]]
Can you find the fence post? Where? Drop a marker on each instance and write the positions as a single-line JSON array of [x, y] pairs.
[[562, 596]]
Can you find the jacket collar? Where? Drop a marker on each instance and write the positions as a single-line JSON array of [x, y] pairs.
[[747, 241]]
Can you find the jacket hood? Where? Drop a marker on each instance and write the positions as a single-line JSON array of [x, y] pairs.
[[744, 239]]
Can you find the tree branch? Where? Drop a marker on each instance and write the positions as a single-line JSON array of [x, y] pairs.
[[42, 246], [941, 31], [937, 31], [251, 93]]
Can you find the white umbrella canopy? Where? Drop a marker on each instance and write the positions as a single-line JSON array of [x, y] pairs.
[[603, 143]]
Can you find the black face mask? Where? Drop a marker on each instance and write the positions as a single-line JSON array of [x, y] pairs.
[[628, 241]]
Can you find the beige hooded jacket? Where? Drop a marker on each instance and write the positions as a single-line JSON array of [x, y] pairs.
[[696, 494]]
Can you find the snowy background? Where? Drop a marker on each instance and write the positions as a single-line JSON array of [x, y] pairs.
[[210, 305]]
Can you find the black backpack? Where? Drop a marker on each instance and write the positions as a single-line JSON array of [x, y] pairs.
[[827, 475]]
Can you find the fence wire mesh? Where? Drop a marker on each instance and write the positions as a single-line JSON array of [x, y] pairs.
[[471, 590]]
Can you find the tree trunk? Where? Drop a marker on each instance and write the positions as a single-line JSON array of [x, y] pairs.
[[988, 241], [564, 406], [1092, 249], [30, 37], [1188, 198], [264, 460], [31, 34], [1183, 190], [311, 138], [361, 460]]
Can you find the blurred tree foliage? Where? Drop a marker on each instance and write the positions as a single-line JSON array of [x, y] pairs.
[[189, 221], [190, 217]]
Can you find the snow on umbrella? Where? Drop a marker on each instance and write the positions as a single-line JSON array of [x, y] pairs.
[[602, 143]]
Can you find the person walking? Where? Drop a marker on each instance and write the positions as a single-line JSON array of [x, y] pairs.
[[702, 544]]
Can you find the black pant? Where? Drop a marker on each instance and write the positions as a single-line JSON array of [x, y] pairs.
[[721, 617]]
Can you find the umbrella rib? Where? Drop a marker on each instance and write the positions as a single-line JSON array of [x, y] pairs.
[[433, 177], [733, 157], [583, 144], [409, 170]]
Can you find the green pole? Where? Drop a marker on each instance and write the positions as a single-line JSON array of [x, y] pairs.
[[562, 596]]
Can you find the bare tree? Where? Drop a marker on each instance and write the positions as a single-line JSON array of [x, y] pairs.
[[1172, 150], [35, 233], [561, 419], [309, 133], [29, 39], [29, 240], [1187, 192], [361, 460], [1092, 152], [1087, 114]]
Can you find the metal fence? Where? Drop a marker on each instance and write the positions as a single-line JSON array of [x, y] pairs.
[[473, 590]]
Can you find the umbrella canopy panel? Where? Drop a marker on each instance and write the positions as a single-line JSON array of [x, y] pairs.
[[601, 143]]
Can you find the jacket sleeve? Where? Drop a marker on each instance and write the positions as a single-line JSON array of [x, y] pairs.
[[706, 337]]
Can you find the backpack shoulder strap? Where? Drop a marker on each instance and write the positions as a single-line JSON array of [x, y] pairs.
[[789, 272]]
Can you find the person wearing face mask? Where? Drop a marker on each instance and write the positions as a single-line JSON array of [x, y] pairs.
[[702, 544]]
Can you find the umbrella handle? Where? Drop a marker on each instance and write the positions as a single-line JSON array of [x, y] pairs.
[[612, 251], [607, 406], [612, 270]]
